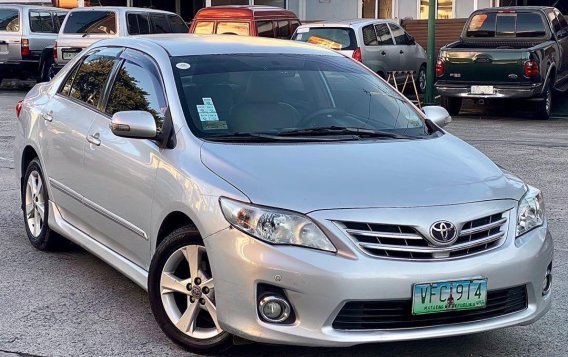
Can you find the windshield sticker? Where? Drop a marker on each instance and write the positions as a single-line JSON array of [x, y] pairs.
[[207, 111], [303, 29], [214, 125], [183, 65]]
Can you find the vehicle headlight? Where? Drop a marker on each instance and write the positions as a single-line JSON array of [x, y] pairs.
[[275, 226], [531, 211]]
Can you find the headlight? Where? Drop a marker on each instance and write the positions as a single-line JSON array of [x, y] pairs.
[[275, 226], [531, 211]]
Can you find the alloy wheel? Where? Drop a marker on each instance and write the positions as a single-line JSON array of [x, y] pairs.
[[187, 290], [422, 80], [35, 203]]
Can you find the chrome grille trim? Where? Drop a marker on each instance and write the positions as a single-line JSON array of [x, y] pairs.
[[405, 242]]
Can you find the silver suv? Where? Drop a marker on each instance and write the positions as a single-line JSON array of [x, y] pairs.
[[279, 192], [27, 35], [84, 26], [381, 45]]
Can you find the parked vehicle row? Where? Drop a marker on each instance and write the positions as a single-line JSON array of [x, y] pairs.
[[246, 182], [504, 53]]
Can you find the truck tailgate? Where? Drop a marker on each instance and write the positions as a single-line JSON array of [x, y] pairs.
[[484, 66]]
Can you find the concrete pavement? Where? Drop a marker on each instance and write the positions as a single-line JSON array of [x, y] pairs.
[[71, 303]]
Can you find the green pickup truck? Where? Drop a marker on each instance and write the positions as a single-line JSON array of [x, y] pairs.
[[508, 52]]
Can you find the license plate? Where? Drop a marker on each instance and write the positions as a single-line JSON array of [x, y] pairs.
[[69, 55], [482, 90], [429, 298]]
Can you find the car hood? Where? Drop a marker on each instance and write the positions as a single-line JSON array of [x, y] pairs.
[[390, 173]]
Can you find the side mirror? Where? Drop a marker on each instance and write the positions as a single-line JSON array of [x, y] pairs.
[[438, 115], [134, 124]]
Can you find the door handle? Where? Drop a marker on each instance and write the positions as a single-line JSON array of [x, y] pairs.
[[94, 139], [401, 52], [47, 117], [383, 53]]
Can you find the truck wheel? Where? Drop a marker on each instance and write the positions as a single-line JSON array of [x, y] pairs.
[[544, 107], [47, 70], [452, 105]]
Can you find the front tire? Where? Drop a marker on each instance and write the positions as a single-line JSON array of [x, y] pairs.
[[36, 209], [452, 105], [544, 107], [181, 289]]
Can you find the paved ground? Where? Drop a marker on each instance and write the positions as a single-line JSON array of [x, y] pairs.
[[71, 303]]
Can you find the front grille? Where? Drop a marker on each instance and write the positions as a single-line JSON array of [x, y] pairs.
[[405, 242], [397, 314]]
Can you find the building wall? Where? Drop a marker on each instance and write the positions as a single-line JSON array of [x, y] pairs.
[[331, 9], [407, 9]]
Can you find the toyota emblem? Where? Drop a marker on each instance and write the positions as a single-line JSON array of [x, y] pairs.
[[443, 233]]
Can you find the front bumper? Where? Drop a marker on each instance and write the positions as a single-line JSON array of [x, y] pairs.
[[318, 284], [501, 91]]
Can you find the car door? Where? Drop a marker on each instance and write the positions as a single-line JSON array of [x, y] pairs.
[[67, 118], [387, 50], [122, 170], [402, 48], [562, 36], [10, 34]]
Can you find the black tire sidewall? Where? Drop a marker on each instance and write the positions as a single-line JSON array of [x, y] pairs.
[[40, 242], [179, 238], [541, 111], [420, 90]]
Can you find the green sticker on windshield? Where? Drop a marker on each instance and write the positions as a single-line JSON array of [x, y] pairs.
[[214, 125]]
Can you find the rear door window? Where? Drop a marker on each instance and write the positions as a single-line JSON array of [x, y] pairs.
[[264, 29], [177, 24], [91, 22], [138, 24], [284, 30], [233, 28], [160, 23], [506, 24], [89, 81], [369, 36], [384, 35], [204, 27], [337, 38], [41, 21], [9, 20]]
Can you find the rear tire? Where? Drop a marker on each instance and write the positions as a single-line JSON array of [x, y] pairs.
[[453, 105], [47, 70], [182, 293], [544, 107], [36, 210], [421, 80]]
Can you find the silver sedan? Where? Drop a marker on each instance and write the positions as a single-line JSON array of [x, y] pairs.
[[279, 192]]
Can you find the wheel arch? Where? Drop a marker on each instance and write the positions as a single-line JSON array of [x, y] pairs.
[[28, 154], [170, 223]]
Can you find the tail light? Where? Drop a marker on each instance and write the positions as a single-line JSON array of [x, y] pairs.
[[440, 68], [19, 106], [532, 69], [357, 55], [55, 51], [25, 47]]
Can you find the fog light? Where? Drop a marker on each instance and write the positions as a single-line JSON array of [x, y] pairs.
[[274, 309], [547, 282]]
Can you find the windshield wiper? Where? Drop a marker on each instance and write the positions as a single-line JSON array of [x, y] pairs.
[[265, 137], [338, 130]]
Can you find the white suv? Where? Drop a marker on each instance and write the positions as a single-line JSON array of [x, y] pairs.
[[85, 26]]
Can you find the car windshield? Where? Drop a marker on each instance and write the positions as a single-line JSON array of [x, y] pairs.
[[276, 94], [336, 38]]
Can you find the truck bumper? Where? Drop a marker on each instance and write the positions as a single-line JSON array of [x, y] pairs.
[[501, 91], [18, 69]]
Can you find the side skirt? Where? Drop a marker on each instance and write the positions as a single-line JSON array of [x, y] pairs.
[[117, 261]]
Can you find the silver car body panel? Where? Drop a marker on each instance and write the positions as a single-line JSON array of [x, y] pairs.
[[407, 182]]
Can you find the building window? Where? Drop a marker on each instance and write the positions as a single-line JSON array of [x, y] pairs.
[[445, 9], [279, 3], [381, 9]]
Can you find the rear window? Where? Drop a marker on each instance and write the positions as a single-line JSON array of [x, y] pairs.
[[9, 20], [516, 25], [96, 22], [233, 28], [204, 27], [336, 38], [177, 24], [138, 24], [41, 21]]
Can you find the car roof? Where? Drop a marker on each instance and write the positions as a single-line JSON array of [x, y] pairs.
[[26, 6], [353, 23], [121, 9], [517, 8], [243, 11], [189, 44]]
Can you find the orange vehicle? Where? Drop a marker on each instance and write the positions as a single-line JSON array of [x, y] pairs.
[[262, 21]]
